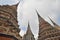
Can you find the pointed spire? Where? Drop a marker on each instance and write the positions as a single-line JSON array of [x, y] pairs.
[[29, 29], [28, 26], [28, 34], [53, 22]]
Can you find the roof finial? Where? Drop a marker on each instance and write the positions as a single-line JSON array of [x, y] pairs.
[[39, 17], [38, 14], [52, 22], [17, 3]]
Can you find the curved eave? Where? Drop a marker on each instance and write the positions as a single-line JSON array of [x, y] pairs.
[[8, 36]]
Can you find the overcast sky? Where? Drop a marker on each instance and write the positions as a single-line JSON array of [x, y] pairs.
[[26, 12]]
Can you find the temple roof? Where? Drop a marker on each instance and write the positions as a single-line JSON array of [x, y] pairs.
[[41, 20], [10, 6]]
